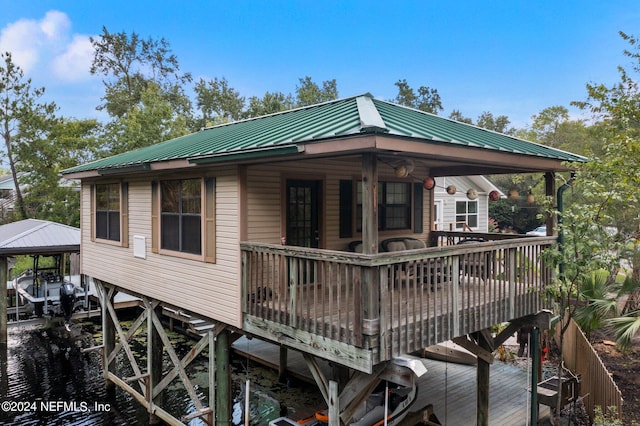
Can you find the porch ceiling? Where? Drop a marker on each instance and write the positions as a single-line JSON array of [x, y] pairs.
[[359, 123]]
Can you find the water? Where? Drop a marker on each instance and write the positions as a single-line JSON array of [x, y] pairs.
[[49, 381]]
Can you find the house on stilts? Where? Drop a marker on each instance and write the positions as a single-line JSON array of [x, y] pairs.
[[312, 229]]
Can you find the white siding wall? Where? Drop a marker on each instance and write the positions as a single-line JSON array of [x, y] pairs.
[[212, 290], [448, 202]]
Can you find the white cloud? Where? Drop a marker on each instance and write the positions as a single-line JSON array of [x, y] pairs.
[[55, 25], [20, 39], [47, 48], [74, 63]]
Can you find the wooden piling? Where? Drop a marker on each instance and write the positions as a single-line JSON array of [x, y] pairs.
[[482, 382], [154, 358], [223, 379], [3, 304], [108, 340], [282, 367]]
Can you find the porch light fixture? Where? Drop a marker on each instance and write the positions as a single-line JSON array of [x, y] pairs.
[[472, 194], [451, 190], [429, 183]]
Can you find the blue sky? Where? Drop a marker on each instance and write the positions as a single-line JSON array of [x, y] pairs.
[[511, 58]]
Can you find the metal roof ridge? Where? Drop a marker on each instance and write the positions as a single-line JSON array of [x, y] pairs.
[[370, 119], [286, 111]]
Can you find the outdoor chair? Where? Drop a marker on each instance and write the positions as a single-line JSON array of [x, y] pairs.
[[475, 264]]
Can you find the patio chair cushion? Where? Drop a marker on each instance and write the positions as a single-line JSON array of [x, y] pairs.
[[401, 244], [355, 246], [412, 244], [395, 246]]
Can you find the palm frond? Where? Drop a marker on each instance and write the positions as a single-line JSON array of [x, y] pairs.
[[625, 328]]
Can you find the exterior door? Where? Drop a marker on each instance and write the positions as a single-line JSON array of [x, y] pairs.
[[303, 212]]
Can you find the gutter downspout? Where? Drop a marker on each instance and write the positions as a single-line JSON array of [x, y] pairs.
[[559, 198]]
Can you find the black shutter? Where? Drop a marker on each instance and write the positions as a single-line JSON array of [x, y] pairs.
[[418, 204], [346, 208]]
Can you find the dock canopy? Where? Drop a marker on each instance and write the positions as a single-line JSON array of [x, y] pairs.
[[33, 236]]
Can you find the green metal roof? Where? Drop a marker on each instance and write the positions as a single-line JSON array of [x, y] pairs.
[[281, 133]]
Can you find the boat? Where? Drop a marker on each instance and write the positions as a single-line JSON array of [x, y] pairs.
[[371, 412], [44, 290], [450, 352]]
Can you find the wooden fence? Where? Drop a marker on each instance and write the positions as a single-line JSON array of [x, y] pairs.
[[596, 384]]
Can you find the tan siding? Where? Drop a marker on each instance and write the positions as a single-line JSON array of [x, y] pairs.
[[264, 202], [212, 290]]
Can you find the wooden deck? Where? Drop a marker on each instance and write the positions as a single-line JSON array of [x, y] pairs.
[[450, 388], [359, 310]]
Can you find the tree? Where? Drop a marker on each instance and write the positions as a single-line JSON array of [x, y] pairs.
[[132, 63], [309, 93], [603, 229], [153, 120], [65, 143], [270, 103], [553, 127], [22, 117], [457, 116], [498, 124], [218, 102], [427, 99]]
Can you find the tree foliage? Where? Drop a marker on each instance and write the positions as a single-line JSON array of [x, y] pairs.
[[270, 103], [309, 93], [153, 120], [425, 99], [66, 143], [218, 102], [129, 64], [603, 228], [22, 117]]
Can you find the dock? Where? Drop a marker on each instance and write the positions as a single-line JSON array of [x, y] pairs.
[[450, 388]]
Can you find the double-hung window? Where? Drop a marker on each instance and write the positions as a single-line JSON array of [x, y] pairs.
[[181, 215], [394, 206], [466, 214], [183, 218], [109, 202]]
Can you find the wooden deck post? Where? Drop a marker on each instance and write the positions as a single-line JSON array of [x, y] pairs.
[[534, 352], [550, 191], [154, 360], [3, 304], [4, 374], [482, 381], [282, 367], [108, 339], [334, 405], [212, 378], [223, 380], [370, 282]]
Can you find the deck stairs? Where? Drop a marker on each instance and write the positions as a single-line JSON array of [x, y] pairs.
[[192, 324]]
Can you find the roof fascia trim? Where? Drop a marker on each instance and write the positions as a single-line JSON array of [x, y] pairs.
[[246, 155]]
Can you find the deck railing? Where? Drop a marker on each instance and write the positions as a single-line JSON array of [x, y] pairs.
[[398, 302]]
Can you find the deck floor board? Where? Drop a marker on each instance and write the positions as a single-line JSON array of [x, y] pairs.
[[449, 387]]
